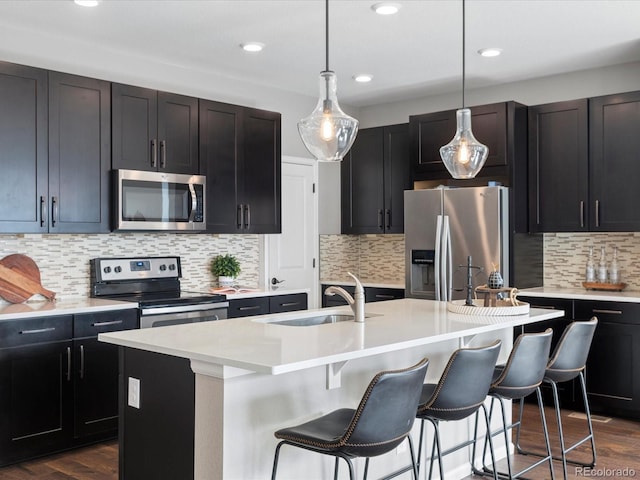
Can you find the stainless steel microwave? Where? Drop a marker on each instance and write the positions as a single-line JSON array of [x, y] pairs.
[[159, 201]]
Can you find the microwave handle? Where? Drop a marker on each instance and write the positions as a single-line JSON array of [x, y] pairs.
[[194, 202]]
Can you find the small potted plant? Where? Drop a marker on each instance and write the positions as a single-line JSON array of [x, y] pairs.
[[226, 268]]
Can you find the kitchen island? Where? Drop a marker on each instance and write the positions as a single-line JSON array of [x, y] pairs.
[[253, 376]]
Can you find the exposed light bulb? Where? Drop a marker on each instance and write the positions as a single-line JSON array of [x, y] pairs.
[[463, 153], [327, 132]]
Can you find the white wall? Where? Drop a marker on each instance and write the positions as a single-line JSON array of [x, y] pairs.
[[582, 84]]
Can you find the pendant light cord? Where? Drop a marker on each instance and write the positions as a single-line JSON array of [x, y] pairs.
[[463, 53], [326, 33]]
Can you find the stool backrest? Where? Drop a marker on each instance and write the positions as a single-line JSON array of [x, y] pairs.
[[572, 349], [386, 412], [464, 384], [526, 365]]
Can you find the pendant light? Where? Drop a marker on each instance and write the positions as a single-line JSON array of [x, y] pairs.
[[328, 132], [464, 156]]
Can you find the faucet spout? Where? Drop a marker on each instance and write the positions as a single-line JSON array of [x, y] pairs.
[[356, 302]]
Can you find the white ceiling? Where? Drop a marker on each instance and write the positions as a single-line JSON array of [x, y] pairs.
[[416, 52]]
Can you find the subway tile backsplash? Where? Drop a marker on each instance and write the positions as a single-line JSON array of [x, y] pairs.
[[64, 259]]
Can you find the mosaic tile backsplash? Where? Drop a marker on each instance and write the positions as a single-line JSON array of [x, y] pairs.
[[380, 258], [64, 259]]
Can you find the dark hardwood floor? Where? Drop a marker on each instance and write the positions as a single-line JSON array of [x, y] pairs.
[[617, 444]]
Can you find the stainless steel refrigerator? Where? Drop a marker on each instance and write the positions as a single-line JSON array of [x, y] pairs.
[[446, 225]]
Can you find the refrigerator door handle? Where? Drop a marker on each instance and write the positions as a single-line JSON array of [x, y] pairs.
[[447, 264], [436, 268]]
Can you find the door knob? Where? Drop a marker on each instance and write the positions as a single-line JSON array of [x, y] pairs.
[[275, 281]]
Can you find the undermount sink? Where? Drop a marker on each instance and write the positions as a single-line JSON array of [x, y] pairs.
[[315, 320]]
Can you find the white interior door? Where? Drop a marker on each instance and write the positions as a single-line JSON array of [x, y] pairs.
[[292, 256]]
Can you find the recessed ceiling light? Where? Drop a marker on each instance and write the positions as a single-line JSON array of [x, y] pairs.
[[385, 8], [252, 47], [490, 52], [363, 78], [86, 3]]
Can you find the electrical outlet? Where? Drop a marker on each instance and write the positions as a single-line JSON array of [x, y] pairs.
[[133, 398]]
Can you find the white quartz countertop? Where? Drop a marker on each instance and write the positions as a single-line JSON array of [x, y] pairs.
[[365, 283], [66, 306], [264, 292], [252, 343], [581, 294]]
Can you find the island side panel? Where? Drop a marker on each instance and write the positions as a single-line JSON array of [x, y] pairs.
[[156, 440]]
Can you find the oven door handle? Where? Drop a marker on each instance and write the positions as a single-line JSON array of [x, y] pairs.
[[184, 308]]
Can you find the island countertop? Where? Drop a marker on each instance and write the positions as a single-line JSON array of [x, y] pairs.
[[255, 344]]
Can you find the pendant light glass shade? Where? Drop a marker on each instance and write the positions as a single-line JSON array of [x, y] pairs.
[[328, 132], [464, 156]]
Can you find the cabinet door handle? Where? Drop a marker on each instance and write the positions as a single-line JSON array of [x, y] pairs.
[[380, 220], [54, 211], [252, 307], [597, 213], [388, 215], [289, 304], [81, 362], [163, 154], [43, 210], [68, 364], [581, 213], [154, 153], [545, 307], [385, 297], [247, 209], [37, 330], [104, 324], [612, 312], [240, 216]]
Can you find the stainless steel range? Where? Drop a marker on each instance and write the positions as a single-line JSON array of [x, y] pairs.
[[154, 283]]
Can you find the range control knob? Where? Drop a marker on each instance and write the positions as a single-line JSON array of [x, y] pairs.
[[117, 269], [163, 267], [172, 267], [106, 269]]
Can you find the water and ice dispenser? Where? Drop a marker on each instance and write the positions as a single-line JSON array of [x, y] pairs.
[[421, 275]]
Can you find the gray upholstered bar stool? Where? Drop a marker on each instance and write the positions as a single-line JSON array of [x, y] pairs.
[[519, 377], [381, 422], [459, 393], [567, 362]]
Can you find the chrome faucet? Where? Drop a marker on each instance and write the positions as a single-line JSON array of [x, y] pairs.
[[357, 303]]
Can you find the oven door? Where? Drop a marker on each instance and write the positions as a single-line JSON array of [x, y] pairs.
[[161, 317]]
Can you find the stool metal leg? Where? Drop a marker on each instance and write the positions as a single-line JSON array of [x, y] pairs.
[[335, 469]]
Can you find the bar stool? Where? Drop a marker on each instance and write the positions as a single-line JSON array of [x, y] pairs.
[[459, 393], [519, 377], [381, 422], [568, 362]]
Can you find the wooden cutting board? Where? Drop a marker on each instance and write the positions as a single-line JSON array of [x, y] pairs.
[[20, 279]]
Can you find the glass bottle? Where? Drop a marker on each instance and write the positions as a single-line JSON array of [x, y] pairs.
[[614, 272], [602, 267], [590, 270]]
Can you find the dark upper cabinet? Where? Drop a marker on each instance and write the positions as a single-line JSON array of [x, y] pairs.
[[374, 175], [502, 127], [55, 151], [24, 187], [79, 154], [614, 126], [154, 131], [240, 152], [582, 164], [558, 167]]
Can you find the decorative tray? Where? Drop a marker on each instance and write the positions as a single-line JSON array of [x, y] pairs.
[[502, 308], [609, 287]]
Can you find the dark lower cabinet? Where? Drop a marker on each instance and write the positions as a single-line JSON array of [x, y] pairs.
[[371, 294], [613, 385], [249, 307], [57, 392]]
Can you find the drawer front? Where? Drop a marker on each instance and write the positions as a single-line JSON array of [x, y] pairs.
[[247, 307], [91, 324], [376, 294], [617, 312], [550, 303], [28, 331], [288, 303]]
